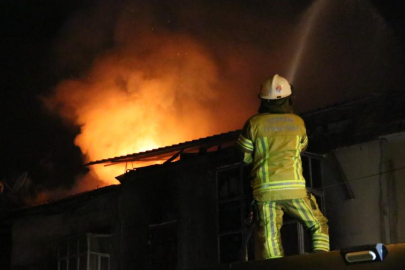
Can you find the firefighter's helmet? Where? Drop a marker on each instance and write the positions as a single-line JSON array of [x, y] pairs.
[[275, 88]]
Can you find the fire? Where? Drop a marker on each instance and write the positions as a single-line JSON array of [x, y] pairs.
[[136, 99]]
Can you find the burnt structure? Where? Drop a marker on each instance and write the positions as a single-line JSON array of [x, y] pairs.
[[193, 210]]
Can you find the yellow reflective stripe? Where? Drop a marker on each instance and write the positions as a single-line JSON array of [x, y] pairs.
[[247, 158], [271, 231], [305, 142], [282, 184], [320, 241], [245, 143], [323, 242], [321, 247], [305, 213], [320, 236], [261, 172], [297, 153], [266, 187], [265, 153]]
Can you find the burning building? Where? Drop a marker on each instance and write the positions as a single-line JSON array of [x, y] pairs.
[[186, 206]]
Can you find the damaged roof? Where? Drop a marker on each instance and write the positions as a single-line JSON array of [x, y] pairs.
[[169, 153], [339, 125]]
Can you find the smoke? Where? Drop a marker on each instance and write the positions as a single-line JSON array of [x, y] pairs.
[[148, 75], [132, 102], [137, 75]]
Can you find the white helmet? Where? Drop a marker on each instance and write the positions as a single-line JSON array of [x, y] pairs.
[[275, 88]]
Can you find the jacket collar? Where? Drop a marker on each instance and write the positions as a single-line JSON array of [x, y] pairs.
[[276, 106]]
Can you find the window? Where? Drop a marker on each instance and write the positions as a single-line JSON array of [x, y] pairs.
[[86, 252]]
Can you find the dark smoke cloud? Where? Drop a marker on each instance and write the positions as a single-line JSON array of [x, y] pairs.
[[234, 45], [208, 60], [350, 52]]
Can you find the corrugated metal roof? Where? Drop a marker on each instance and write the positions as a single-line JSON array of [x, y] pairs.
[[169, 151], [326, 116]]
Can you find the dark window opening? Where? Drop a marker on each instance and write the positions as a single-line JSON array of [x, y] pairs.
[[163, 246]]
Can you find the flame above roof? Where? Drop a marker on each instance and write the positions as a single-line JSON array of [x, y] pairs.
[[388, 105], [169, 153]]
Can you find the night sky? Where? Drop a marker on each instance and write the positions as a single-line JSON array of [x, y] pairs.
[[355, 48]]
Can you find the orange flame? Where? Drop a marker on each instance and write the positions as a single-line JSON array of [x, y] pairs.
[[132, 102]]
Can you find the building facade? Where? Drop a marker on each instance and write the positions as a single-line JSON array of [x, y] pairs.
[[193, 210]]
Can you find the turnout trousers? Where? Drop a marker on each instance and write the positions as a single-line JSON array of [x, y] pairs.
[[270, 221]]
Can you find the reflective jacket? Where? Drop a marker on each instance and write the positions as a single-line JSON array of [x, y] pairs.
[[273, 143]]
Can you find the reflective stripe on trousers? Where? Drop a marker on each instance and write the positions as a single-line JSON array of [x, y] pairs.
[[305, 210]]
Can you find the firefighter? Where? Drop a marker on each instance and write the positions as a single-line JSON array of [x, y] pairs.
[[272, 142]]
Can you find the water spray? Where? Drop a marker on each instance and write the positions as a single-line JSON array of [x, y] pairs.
[[311, 17]]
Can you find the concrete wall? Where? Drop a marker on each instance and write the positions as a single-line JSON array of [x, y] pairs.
[[147, 197], [395, 185], [183, 193], [198, 206], [36, 236], [375, 173]]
